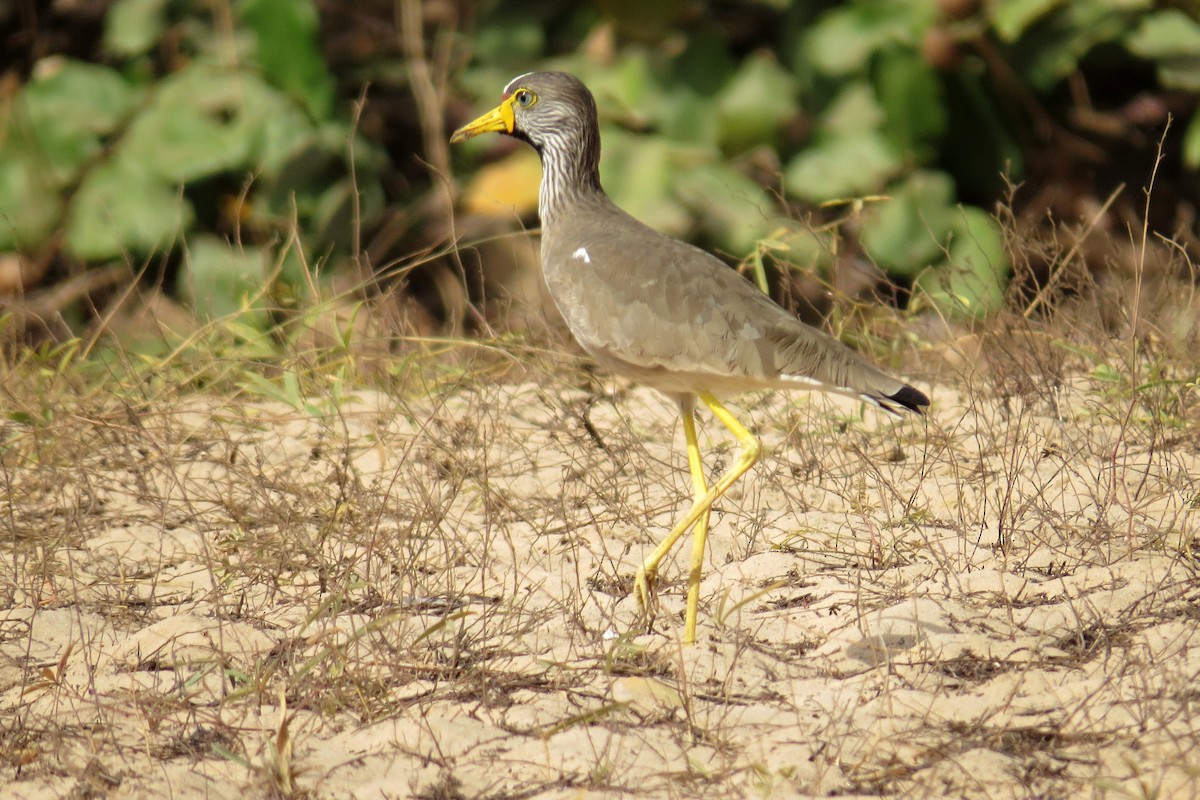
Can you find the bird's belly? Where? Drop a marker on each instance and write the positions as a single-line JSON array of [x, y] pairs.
[[673, 381]]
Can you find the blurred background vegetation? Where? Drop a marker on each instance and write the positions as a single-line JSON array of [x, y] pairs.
[[167, 163]]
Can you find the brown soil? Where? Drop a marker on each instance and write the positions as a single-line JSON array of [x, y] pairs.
[[427, 595]]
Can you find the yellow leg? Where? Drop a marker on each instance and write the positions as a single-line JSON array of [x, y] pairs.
[[698, 514], [699, 492]]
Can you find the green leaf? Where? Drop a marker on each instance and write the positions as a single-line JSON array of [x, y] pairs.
[[29, 205], [705, 64], [66, 112], [638, 173], [910, 93], [1191, 143], [1012, 17], [1051, 50], [508, 37], [221, 281], [334, 216], [802, 249], [312, 187], [697, 75], [206, 121], [908, 232], [183, 142], [850, 156], [629, 90], [853, 111], [1171, 39], [287, 394], [755, 104], [132, 27], [972, 282], [843, 39], [687, 116], [121, 207], [78, 96], [289, 53], [296, 183], [842, 167], [1165, 34], [732, 208]]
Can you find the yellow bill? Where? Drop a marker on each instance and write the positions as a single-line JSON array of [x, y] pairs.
[[498, 120]]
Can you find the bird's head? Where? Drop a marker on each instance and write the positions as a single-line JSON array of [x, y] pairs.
[[550, 110]]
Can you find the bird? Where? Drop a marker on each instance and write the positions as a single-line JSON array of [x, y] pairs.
[[663, 312]]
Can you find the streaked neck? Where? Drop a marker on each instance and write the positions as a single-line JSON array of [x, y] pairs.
[[570, 173]]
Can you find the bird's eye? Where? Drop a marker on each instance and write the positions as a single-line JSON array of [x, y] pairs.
[[524, 98]]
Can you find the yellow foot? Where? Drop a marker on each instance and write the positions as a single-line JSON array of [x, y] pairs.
[[643, 592]]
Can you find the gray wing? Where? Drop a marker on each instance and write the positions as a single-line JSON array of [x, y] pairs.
[[659, 303]]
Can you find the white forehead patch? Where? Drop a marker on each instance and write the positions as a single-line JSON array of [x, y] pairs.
[[582, 255], [512, 85]]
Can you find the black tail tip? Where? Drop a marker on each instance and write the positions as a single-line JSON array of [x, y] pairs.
[[910, 398]]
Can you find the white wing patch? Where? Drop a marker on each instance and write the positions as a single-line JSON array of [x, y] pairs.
[[582, 255], [804, 380]]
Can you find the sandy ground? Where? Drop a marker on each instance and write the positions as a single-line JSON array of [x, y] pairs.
[[430, 598]]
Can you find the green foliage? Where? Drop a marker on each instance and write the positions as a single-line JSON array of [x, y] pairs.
[[123, 208], [909, 231], [909, 100], [881, 133], [754, 104], [222, 282], [112, 161], [1049, 40], [836, 167], [1171, 40], [845, 39], [59, 123], [970, 280], [214, 140], [910, 94], [286, 50]]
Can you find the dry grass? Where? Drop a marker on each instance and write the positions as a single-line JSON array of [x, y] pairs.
[[342, 574]]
